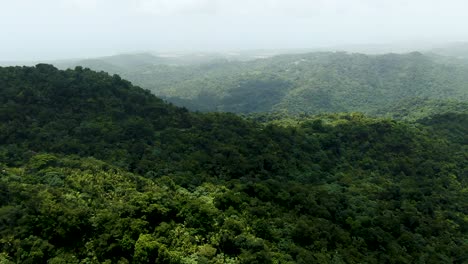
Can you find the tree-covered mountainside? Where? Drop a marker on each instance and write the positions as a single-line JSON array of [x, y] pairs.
[[306, 83], [127, 63], [96, 170], [418, 108], [136, 62]]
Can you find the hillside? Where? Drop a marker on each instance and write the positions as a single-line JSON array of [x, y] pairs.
[[123, 63], [96, 170], [136, 62], [418, 108], [305, 83]]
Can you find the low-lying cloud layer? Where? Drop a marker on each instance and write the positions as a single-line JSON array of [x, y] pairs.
[[50, 29]]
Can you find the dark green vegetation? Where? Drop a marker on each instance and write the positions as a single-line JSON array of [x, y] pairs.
[[95, 170], [306, 83], [417, 108]]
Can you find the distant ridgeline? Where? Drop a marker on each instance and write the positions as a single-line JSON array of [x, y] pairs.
[[96, 170], [310, 83]]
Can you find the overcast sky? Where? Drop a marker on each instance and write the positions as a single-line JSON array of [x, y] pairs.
[[54, 29]]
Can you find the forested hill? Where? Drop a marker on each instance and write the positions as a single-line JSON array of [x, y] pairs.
[[96, 170], [306, 83], [79, 111]]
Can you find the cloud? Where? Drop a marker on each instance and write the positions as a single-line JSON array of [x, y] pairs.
[[81, 4], [93, 27], [235, 7], [179, 7]]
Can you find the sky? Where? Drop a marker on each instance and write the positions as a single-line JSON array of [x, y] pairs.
[[59, 29]]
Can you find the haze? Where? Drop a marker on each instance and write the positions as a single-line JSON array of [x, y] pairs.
[[58, 29]]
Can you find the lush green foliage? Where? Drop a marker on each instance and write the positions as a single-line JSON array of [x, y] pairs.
[[306, 83], [417, 108], [95, 170]]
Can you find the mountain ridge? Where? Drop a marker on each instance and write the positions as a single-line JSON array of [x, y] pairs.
[[309, 83], [96, 170]]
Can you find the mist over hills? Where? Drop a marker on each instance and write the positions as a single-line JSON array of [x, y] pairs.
[[309, 83], [458, 50]]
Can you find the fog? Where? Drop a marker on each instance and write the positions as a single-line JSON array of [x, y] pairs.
[[58, 29]]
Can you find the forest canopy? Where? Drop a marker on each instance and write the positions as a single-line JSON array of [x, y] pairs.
[[96, 170], [309, 83]]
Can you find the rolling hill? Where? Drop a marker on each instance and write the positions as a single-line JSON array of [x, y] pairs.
[[96, 170], [309, 83]]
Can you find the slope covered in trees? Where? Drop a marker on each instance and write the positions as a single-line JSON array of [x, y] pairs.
[[95, 170], [417, 108], [136, 62], [306, 83]]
